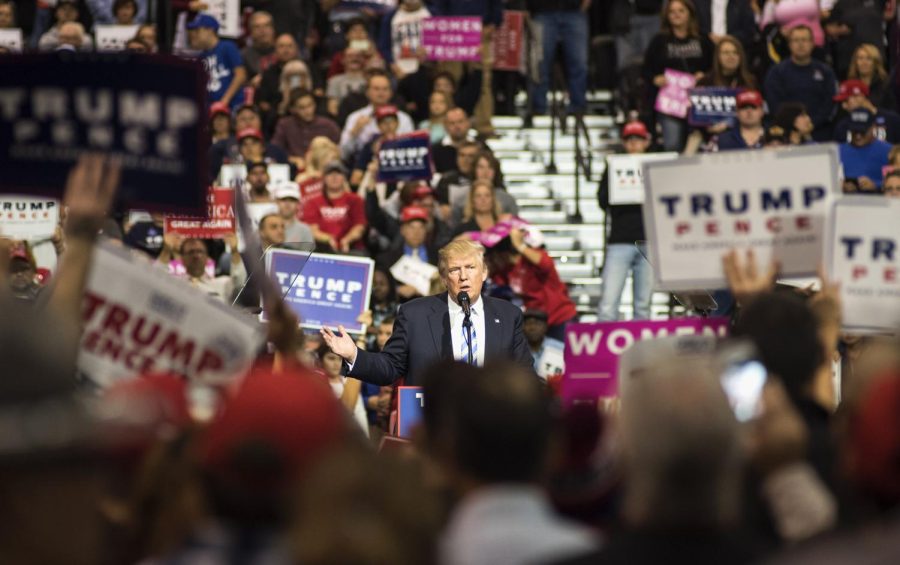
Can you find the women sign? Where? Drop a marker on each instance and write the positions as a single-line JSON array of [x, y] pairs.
[[673, 99], [452, 38]]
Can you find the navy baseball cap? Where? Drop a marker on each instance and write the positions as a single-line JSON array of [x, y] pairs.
[[861, 120], [204, 20]]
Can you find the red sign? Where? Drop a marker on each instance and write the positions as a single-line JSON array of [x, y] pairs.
[[219, 222], [509, 42]]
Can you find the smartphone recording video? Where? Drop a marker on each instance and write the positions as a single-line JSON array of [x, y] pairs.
[[743, 377]]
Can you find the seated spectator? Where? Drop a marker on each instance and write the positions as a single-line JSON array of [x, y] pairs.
[[336, 216], [864, 156], [520, 263], [147, 34], [382, 303], [454, 184], [227, 151], [491, 430], [346, 389], [66, 11], [260, 50], [388, 123], [194, 254], [534, 327], [222, 60], [850, 24], [482, 209], [459, 130], [793, 118], [294, 75], [805, 80], [258, 182], [271, 231], [867, 65], [487, 168], [295, 131], [135, 45], [623, 253], [357, 36], [321, 152], [22, 272], [401, 45], [125, 12], [251, 146], [361, 128], [439, 103], [729, 66], [854, 94], [891, 184], [414, 242], [269, 92], [7, 15], [118, 12], [73, 37], [219, 121], [416, 194], [352, 80], [444, 82], [287, 196], [749, 132]]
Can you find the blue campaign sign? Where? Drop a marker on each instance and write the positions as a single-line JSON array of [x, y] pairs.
[[148, 110], [712, 105], [323, 290], [410, 403], [407, 157]]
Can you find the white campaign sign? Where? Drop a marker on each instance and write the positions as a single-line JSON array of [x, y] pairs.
[[114, 37], [626, 176], [414, 272], [775, 202], [28, 217], [228, 13], [12, 39], [863, 256], [138, 318]]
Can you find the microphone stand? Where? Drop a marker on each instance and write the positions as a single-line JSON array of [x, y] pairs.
[[467, 325]]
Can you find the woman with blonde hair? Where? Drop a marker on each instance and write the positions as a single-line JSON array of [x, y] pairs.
[[482, 209], [868, 66], [321, 152]]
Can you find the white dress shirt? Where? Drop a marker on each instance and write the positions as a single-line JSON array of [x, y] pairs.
[[350, 145], [456, 329]]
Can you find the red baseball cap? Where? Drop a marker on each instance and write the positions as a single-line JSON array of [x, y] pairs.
[[293, 416], [388, 111], [852, 87], [219, 108], [249, 132], [411, 213], [749, 98], [422, 190], [635, 129]]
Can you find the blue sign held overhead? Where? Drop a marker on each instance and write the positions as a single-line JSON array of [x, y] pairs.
[[405, 158], [410, 404], [323, 290], [712, 105], [147, 110]]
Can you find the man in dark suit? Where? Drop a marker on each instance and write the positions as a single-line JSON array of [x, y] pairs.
[[431, 328]]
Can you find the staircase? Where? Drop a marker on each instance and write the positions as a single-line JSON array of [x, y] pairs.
[[548, 200]]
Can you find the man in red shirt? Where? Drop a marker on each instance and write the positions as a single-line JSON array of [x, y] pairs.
[[337, 217], [531, 275]]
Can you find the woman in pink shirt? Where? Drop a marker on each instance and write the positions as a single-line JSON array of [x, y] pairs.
[[789, 13]]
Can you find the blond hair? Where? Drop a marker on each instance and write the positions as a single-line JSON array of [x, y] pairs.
[[458, 248], [469, 208], [877, 61]]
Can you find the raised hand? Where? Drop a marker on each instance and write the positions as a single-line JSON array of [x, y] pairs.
[[342, 346], [744, 279], [90, 188]]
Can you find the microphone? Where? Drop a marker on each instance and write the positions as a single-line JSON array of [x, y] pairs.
[[463, 299]]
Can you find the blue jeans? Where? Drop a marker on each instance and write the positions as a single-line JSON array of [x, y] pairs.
[[620, 259], [570, 29], [674, 132]]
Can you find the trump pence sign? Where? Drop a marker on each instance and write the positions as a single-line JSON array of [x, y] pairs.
[[775, 202]]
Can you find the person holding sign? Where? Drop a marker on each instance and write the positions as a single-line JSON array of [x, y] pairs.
[[435, 327], [388, 124], [749, 133], [337, 217], [623, 252]]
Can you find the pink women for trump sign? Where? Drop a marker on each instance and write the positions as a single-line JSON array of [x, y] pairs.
[[452, 38]]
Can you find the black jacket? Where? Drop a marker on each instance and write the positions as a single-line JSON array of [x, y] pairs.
[[422, 336], [739, 20], [626, 221]]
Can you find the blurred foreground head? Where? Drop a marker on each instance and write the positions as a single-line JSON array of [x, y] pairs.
[[489, 425], [680, 447], [269, 434]]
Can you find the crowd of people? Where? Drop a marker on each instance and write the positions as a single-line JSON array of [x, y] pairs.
[[299, 462]]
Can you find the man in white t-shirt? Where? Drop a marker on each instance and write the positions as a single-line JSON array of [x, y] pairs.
[[406, 55]]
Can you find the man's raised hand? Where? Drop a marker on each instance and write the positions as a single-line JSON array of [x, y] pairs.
[[342, 346]]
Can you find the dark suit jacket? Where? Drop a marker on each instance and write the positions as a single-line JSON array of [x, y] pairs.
[[422, 337], [739, 20]]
